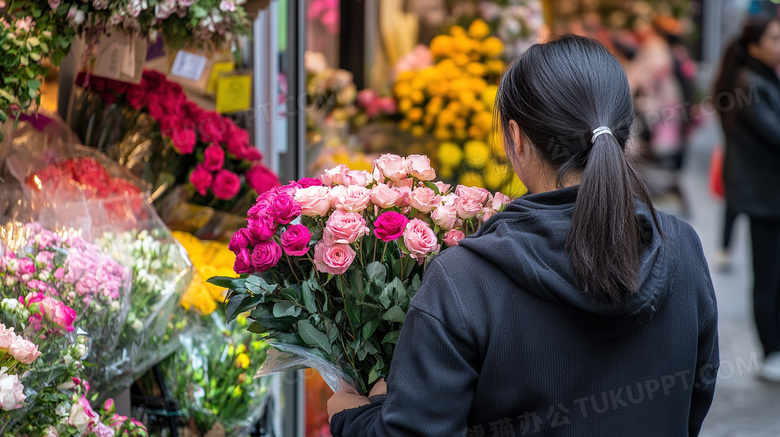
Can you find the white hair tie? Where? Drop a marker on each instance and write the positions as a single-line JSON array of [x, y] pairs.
[[599, 131]]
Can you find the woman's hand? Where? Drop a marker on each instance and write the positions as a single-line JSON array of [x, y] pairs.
[[342, 400]]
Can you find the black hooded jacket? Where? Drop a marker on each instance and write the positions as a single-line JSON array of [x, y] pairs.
[[501, 341]]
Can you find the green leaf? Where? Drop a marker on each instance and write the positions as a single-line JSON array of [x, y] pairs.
[[357, 284], [369, 328], [3, 116], [33, 84], [433, 187], [44, 47], [376, 271], [278, 323], [36, 12], [5, 47], [373, 375], [308, 297], [290, 294], [384, 297], [395, 314], [256, 284], [199, 11], [391, 337], [35, 56], [352, 312], [289, 338], [286, 308], [259, 313], [226, 282], [312, 336], [257, 328], [24, 61], [240, 303]]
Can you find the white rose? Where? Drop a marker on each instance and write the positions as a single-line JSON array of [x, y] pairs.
[[11, 391]]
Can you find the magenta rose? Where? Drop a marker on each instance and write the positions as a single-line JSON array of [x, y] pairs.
[[283, 208], [242, 239], [389, 226], [213, 157], [263, 227], [420, 239], [295, 240], [265, 255], [226, 184], [453, 237], [251, 154], [309, 182], [334, 259], [344, 228], [184, 139], [243, 262], [261, 179], [211, 127], [63, 316], [201, 179]]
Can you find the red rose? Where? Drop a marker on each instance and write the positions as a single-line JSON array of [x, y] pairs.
[[109, 97], [211, 127], [226, 185], [136, 95], [201, 179], [214, 157], [156, 108], [261, 179], [184, 139], [251, 154]]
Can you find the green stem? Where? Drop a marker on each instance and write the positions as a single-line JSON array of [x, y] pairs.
[[291, 267]]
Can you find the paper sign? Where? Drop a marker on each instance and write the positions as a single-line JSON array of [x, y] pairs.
[[234, 93], [216, 70], [120, 56], [188, 65]]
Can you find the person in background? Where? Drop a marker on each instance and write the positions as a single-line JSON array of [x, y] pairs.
[[575, 292], [747, 96]]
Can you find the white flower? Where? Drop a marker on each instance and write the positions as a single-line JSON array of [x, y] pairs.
[[227, 6], [81, 351], [11, 391], [138, 326], [63, 409], [10, 304]]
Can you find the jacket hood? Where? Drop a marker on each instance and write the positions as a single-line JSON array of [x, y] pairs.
[[527, 241]]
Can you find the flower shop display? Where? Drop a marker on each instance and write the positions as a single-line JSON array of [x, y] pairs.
[[203, 171], [452, 101], [328, 266], [58, 298]]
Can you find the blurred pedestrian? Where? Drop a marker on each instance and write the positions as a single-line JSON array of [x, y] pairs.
[[747, 96]]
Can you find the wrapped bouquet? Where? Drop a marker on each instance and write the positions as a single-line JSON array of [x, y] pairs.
[[329, 266]]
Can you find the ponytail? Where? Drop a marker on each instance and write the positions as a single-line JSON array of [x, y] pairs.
[[606, 238]]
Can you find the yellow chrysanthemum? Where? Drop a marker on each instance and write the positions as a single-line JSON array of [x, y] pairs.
[[472, 179], [417, 96], [446, 117], [446, 172], [497, 143], [477, 153], [405, 125], [479, 29], [476, 69], [241, 348], [450, 154], [496, 174], [442, 134], [441, 45], [514, 188], [405, 105], [415, 114], [198, 298], [402, 89], [460, 59], [457, 31], [488, 95], [492, 47], [476, 132], [495, 66], [483, 120], [417, 131]]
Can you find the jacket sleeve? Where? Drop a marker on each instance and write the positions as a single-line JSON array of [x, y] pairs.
[[708, 354], [756, 112], [432, 380]]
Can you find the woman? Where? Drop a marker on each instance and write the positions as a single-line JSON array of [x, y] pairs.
[[747, 95], [578, 310]]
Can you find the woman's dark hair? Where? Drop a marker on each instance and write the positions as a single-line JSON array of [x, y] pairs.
[[558, 93], [736, 54]]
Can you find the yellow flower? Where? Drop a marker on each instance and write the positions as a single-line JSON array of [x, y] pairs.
[[242, 321], [418, 96], [418, 131], [471, 179], [492, 47], [495, 66], [442, 134], [488, 96], [467, 99], [445, 172], [446, 117], [461, 59], [402, 89], [479, 29], [514, 188], [450, 155], [496, 174], [483, 120], [242, 361], [405, 125], [405, 105], [476, 69], [241, 348], [477, 153], [457, 31], [497, 143], [197, 296], [237, 392], [415, 114], [441, 45], [475, 132]]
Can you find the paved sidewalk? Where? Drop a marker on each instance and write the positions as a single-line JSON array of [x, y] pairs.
[[744, 406]]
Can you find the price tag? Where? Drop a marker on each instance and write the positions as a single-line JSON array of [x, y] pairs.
[[188, 65], [120, 56], [234, 93]]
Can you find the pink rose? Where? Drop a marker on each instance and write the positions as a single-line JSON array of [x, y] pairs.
[[344, 228], [486, 214], [295, 240], [261, 179], [313, 200], [445, 216], [213, 157], [499, 201], [419, 166], [424, 199], [335, 175], [283, 208], [391, 166], [243, 262], [265, 255], [443, 188], [405, 198], [26, 266], [24, 351], [226, 185], [387, 105], [357, 177], [11, 391], [7, 337], [81, 415], [403, 183], [351, 198], [453, 237], [334, 259], [420, 239], [383, 196], [309, 182], [390, 225], [242, 239], [480, 195], [63, 316], [102, 430], [468, 207], [109, 406], [54, 4], [201, 179]]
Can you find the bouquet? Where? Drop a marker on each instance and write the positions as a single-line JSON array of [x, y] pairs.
[[50, 309], [197, 162], [328, 267]]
